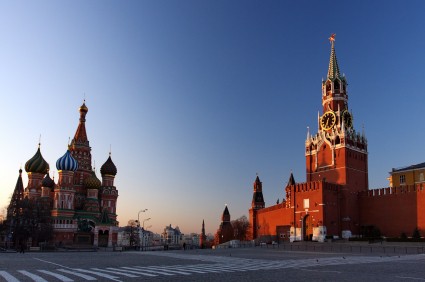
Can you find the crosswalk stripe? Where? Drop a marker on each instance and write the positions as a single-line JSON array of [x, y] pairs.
[[8, 277], [211, 265], [168, 270], [84, 276], [58, 276], [133, 271], [116, 272], [153, 271], [209, 268], [34, 277], [188, 268], [97, 273]]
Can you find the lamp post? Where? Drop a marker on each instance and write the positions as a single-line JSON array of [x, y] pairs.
[[143, 230], [144, 222], [138, 223], [138, 215]]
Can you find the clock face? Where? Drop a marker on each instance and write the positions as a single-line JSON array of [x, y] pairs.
[[327, 120], [348, 120]]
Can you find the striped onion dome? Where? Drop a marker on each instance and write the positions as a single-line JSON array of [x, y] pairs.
[[92, 182], [37, 164], [47, 182], [108, 167], [67, 162]]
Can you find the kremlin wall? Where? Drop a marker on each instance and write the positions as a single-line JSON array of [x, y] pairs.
[[336, 202]]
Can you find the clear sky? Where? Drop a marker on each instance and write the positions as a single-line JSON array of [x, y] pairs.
[[196, 97]]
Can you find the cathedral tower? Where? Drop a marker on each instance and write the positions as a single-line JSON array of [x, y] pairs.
[[36, 168], [108, 192], [81, 151]]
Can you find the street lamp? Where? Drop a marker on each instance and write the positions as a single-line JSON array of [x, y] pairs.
[[143, 242], [144, 222], [138, 223], [138, 215]]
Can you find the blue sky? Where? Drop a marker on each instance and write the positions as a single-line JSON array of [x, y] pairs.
[[196, 97]]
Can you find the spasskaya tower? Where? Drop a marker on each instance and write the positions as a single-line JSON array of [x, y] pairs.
[[338, 153]]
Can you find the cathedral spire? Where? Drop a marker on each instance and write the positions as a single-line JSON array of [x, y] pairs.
[[14, 208], [80, 137], [333, 70]]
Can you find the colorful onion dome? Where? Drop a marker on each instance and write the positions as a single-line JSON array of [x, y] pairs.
[[83, 107], [37, 164], [67, 162], [92, 182], [108, 167], [47, 182]]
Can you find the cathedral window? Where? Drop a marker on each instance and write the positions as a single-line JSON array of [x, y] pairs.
[[402, 179]]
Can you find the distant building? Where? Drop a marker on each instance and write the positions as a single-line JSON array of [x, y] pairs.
[[146, 238], [191, 240], [79, 208], [171, 236], [225, 231], [409, 175]]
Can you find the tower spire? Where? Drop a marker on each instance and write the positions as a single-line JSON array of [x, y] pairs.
[[333, 70], [80, 137]]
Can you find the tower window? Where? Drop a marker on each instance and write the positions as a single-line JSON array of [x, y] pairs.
[[402, 179], [421, 176], [328, 86], [336, 85]]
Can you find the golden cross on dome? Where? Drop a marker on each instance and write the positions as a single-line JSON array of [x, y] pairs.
[[332, 38]]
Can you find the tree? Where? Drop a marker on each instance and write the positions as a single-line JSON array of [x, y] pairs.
[[132, 229], [241, 228]]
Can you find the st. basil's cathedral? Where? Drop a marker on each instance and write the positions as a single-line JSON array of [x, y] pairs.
[[77, 210]]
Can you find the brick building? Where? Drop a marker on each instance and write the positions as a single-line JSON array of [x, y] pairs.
[[336, 200]]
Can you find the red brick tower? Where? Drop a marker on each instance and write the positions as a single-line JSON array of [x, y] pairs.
[[256, 204], [225, 231], [337, 153], [203, 237]]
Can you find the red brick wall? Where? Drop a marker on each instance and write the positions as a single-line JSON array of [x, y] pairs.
[[394, 211]]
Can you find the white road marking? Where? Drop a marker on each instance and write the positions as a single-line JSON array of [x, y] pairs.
[[133, 271], [97, 273], [8, 277], [84, 276], [116, 272], [58, 276], [32, 276], [168, 270], [150, 270]]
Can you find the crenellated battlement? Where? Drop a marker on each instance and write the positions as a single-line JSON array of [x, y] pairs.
[[401, 190], [313, 185]]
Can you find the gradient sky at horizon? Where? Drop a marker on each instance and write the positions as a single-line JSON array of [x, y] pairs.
[[196, 97]]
